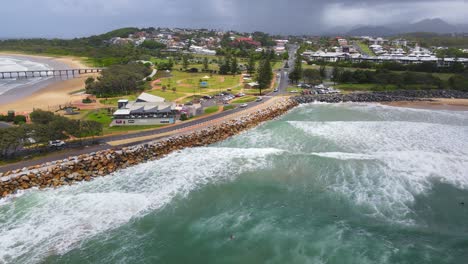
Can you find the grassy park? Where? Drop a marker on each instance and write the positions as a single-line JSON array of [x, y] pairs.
[[365, 48]]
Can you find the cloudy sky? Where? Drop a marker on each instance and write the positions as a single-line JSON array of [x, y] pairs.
[[74, 18]]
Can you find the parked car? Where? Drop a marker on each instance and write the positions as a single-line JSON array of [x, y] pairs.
[[276, 90], [56, 143], [243, 105], [207, 97], [189, 103]]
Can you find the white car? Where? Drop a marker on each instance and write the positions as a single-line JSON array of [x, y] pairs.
[[56, 143], [243, 105]]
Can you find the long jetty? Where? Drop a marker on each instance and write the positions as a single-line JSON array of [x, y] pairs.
[[47, 73]]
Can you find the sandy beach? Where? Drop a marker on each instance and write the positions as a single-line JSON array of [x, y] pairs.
[[47, 94], [70, 61], [436, 104]]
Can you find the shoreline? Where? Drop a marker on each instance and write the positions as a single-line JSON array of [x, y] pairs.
[[88, 166], [434, 104], [45, 93]]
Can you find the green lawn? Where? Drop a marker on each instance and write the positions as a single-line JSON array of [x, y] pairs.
[[211, 109], [113, 101], [444, 76], [278, 65], [168, 94], [100, 115], [190, 82], [116, 129], [244, 99], [365, 48], [228, 107]]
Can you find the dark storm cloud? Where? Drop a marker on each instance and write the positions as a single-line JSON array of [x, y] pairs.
[[69, 18]]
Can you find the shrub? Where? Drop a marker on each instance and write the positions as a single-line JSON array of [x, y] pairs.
[[19, 119], [183, 117], [87, 100]]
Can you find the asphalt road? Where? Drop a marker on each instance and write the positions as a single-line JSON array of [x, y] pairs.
[[4, 125], [103, 142]]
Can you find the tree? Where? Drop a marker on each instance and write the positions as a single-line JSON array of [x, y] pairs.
[[234, 66], [150, 44], [19, 119], [336, 75], [312, 76], [323, 71], [41, 117], [205, 64], [296, 74], [174, 89], [264, 75], [225, 66], [251, 65], [89, 81], [185, 62], [119, 80]]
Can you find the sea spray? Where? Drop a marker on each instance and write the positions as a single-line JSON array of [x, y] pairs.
[[279, 193]]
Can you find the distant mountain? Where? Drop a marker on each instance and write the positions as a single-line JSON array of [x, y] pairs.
[[372, 31], [434, 25]]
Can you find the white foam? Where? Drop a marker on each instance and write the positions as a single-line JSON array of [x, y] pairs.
[[8, 64], [42, 223], [381, 136], [386, 164]]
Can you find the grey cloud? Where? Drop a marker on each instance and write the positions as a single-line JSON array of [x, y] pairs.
[[70, 18]]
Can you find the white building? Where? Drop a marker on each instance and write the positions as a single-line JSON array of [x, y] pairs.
[[146, 110]]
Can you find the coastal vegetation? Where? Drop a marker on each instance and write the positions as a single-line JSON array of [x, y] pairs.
[[385, 79], [429, 67], [95, 48], [44, 127], [118, 80]]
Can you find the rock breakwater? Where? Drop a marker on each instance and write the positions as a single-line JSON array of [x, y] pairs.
[[88, 166], [391, 96]]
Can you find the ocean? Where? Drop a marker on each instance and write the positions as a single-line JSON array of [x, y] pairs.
[[17, 88], [8, 63], [325, 183]]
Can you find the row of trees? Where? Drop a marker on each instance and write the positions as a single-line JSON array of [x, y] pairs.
[[385, 77], [229, 66], [296, 74], [429, 67], [45, 126], [12, 118], [264, 74], [119, 80]]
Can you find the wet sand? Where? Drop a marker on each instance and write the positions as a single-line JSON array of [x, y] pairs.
[[436, 104], [47, 94], [49, 98]]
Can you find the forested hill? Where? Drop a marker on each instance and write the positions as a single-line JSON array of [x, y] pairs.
[[94, 47]]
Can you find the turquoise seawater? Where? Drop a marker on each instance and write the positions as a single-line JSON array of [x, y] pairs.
[[325, 183]]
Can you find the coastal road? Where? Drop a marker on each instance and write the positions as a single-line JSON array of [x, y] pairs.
[[4, 125], [108, 142]]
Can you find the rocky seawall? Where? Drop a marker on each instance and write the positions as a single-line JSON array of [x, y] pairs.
[[89, 166], [391, 96]]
